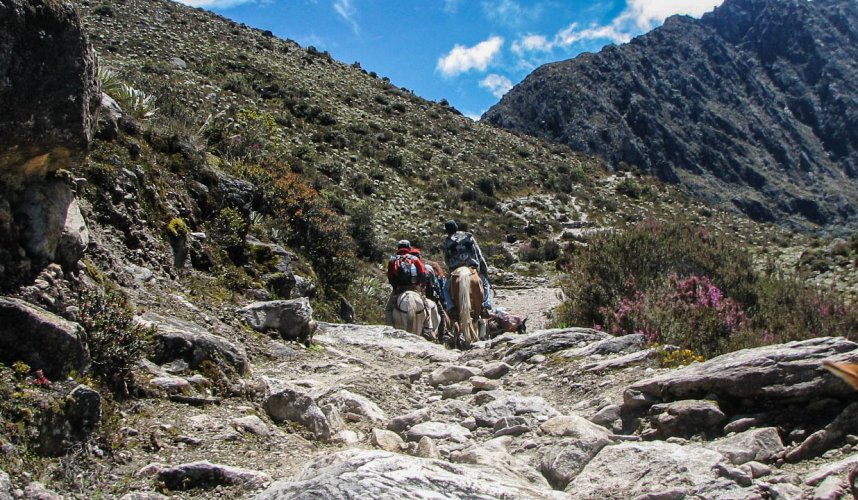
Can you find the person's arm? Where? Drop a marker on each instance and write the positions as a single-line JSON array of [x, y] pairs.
[[484, 268]]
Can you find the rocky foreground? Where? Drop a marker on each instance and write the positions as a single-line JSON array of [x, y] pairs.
[[373, 412]]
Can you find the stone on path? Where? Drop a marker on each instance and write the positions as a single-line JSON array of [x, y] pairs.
[[204, 474], [379, 474], [629, 470], [386, 440]]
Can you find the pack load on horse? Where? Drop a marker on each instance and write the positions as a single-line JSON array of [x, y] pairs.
[[433, 290], [407, 307], [467, 293], [503, 322]]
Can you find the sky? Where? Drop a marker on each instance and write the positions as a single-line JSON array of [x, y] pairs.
[[469, 52]]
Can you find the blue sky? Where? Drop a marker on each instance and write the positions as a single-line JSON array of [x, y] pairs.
[[469, 52]]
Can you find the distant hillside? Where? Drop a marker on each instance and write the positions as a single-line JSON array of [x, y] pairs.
[[754, 106]]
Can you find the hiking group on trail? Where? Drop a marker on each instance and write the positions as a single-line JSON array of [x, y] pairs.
[[408, 272]]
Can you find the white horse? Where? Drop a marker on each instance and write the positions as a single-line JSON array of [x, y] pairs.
[[410, 315]]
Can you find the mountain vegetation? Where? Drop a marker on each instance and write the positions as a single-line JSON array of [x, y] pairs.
[[194, 222]]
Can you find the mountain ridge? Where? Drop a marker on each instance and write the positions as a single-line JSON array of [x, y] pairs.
[[751, 107]]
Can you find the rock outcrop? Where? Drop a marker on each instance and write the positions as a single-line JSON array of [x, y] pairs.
[[753, 106], [50, 93], [41, 339], [49, 96]]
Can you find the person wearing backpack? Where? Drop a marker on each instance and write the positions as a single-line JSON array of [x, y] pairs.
[[405, 272], [461, 249]]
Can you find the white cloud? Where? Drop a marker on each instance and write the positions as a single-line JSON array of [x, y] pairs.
[[510, 12], [638, 17], [532, 43], [215, 4], [347, 11], [462, 59], [498, 85], [647, 14]]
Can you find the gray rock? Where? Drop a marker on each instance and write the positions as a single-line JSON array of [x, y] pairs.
[[628, 470], [426, 448], [760, 445], [251, 424], [457, 390], [494, 453], [143, 495], [69, 421], [179, 339], [510, 404], [38, 491], [380, 474], [564, 460], [687, 418], [839, 467], [830, 436], [349, 402], [386, 338], [386, 440], [607, 415], [484, 384], [625, 344], [439, 431], [619, 362], [446, 375], [756, 469], [832, 488], [171, 384], [549, 341], [495, 369], [291, 319], [41, 339], [404, 422], [206, 475], [758, 377], [5, 486], [294, 405], [574, 426]]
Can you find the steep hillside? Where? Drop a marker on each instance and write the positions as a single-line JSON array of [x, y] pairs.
[[341, 161], [754, 106]]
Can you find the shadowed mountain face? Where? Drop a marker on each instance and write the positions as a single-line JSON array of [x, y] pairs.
[[755, 105]]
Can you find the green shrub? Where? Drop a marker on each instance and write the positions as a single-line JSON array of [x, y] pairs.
[[228, 230], [115, 341], [677, 284]]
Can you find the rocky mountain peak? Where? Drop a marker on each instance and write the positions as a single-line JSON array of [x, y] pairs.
[[753, 106]]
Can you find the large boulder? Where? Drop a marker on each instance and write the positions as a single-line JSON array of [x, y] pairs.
[[501, 404], [49, 92], [358, 473], [290, 319], [752, 379], [657, 469], [41, 339], [177, 339], [549, 341], [758, 445], [562, 461]]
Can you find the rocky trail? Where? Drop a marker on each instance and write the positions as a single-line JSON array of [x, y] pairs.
[[374, 412]]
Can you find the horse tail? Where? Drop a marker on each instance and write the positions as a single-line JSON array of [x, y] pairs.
[[464, 274]]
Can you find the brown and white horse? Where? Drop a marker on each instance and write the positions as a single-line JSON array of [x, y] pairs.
[[467, 292]]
